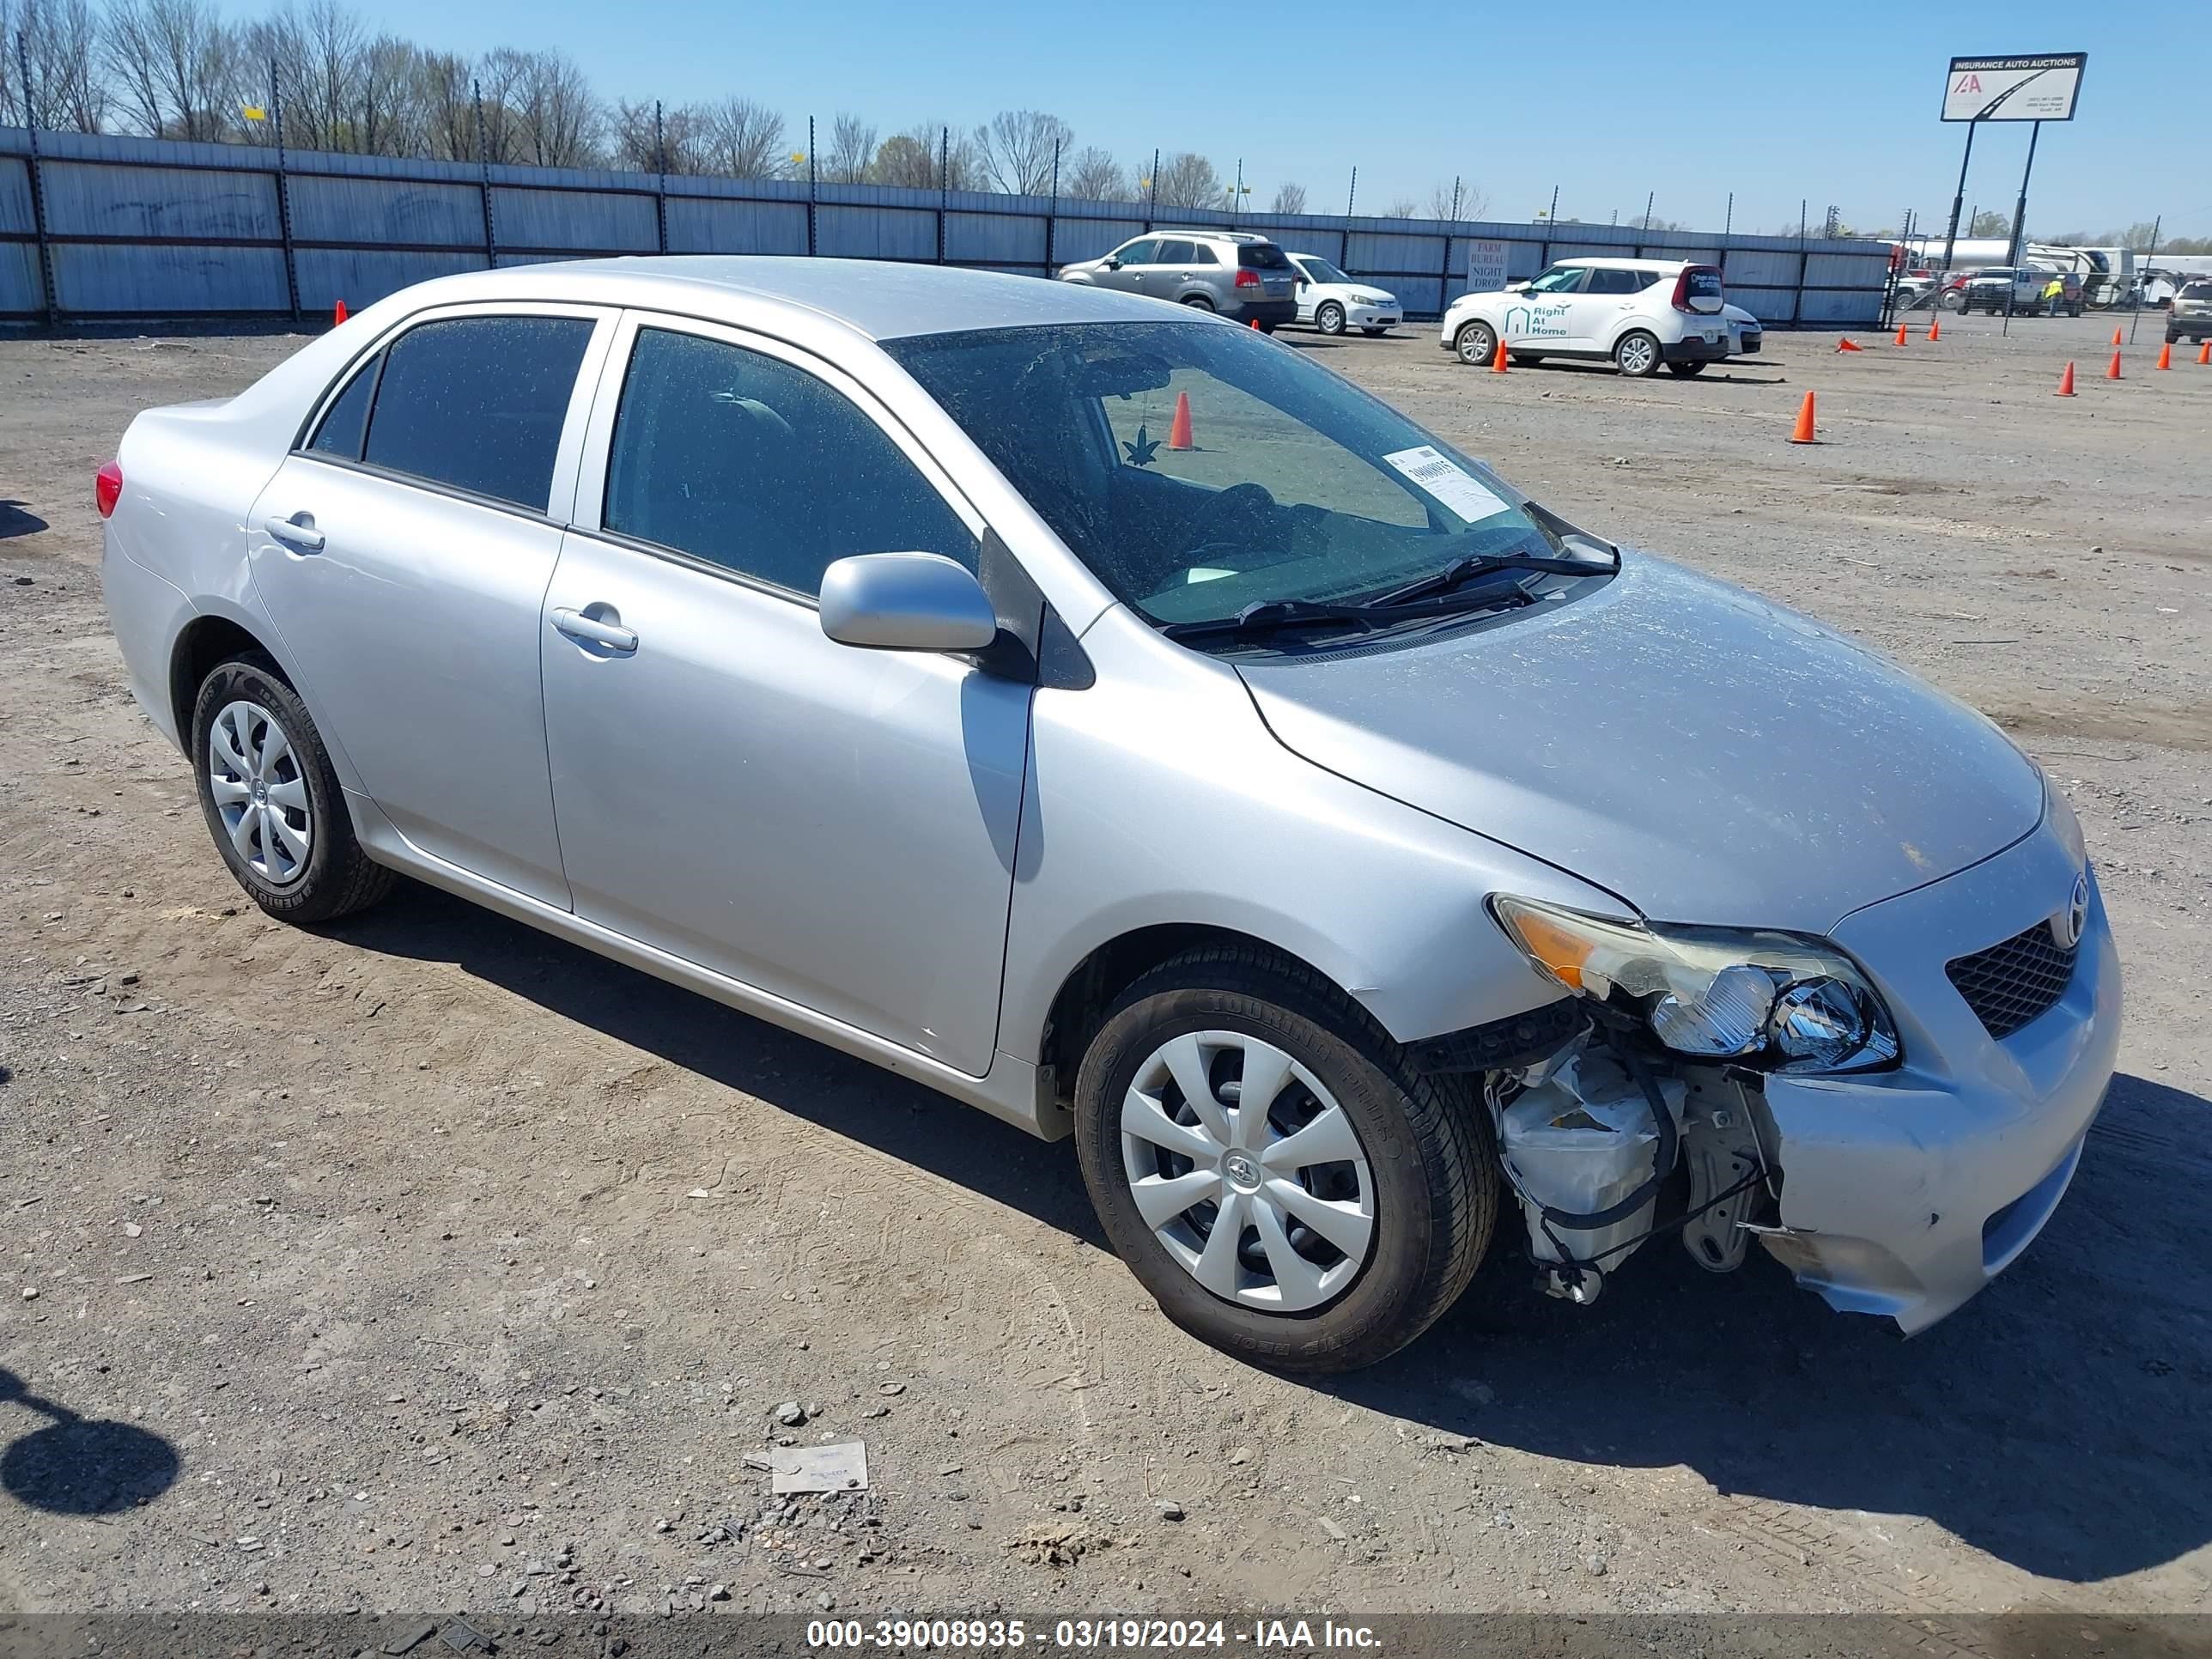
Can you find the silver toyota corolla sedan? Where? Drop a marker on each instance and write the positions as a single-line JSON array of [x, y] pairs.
[[1108, 717]]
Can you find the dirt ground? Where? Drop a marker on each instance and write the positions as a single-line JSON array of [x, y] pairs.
[[428, 1263]]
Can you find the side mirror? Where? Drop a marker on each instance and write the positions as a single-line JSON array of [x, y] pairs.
[[906, 602], [1109, 262]]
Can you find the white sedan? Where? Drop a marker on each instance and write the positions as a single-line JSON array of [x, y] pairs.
[[1333, 302]]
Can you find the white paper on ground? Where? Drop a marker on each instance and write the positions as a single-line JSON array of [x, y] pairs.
[[1450, 483], [842, 1467]]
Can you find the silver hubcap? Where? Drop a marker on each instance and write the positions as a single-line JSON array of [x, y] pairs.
[[1636, 354], [1332, 320], [1248, 1172], [259, 792], [1476, 346]]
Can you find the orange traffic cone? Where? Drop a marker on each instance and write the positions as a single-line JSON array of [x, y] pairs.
[[2116, 337], [1497, 359], [1179, 428], [339, 315], [1934, 328], [2066, 382], [2165, 355], [1847, 344], [2204, 352], [2113, 373], [1900, 334], [1256, 322], [1803, 435]]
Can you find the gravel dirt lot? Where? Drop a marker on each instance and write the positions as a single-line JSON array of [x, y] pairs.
[[428, 1263]]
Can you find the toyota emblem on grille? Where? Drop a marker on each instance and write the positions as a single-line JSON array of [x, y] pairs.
[[2066, 926]]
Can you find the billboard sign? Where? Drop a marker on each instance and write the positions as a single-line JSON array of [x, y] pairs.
[[1485, 265], [2013, 88]]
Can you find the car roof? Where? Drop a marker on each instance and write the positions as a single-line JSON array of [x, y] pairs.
[[879, 298], [1252, 236], [1625, 265]]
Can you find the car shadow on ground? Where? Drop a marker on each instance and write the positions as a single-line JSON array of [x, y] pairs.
[[17, 520], [848, 1096], [75, 1464], [2055, 1421], [2051, 1422]]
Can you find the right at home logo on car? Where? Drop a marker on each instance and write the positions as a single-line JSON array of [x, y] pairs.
[[1525, 320]]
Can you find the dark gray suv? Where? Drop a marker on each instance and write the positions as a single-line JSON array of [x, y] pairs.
[[1243, 276]]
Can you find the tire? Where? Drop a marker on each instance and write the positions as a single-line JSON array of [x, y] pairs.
[[308, 867], [1949, 301], [1423, 1165], [1269, 328], [1476, 343], [1686, 370], [1636, 354], [1199, 300], [2172, 335], [1328, 317]]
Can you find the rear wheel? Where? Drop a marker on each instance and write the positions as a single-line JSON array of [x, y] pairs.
[[272, 801], [1685, 369], [1199, 300], [1329, 318], [1636, 354], [1272, 1169], [2173, 334], [1475, 345]]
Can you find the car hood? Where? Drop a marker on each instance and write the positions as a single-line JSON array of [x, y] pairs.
[[1705, 755]]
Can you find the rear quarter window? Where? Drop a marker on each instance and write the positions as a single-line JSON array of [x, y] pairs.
[[345, 423], [477, 403]]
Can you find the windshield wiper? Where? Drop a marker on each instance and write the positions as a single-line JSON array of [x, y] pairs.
[[1271, 616], [1461, 571]]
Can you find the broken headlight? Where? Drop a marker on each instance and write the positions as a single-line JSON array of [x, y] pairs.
[[1772, 1000]]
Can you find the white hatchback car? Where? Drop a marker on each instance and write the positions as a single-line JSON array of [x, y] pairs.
[[1640, 313], [1333, 302]]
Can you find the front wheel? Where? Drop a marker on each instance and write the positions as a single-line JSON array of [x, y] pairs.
[[2172, 336], [1329, 319], [1272, 1170], [1476, 344], [1199, 300], [1685, 369], [272, 801], [1636, 354]]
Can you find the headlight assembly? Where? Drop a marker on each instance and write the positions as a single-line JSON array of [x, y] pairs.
[[1774, 1000]]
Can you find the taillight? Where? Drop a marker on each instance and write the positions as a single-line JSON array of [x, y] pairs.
[[1682, 290], [1248, 279], [108, 487]]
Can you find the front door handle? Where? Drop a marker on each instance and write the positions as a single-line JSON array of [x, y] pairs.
[[297, 532], [577, 625]]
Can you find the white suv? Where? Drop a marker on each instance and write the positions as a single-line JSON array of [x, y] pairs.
[[1639, 312]]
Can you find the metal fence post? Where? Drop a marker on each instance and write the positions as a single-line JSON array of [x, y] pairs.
[[944, 185], [283, 193], [1052, 213], [661, 169], [812, 174], [1152, 207], [483, 166], [47, 300]]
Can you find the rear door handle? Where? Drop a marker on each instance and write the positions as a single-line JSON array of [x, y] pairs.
[[297, 532], [590, 629]]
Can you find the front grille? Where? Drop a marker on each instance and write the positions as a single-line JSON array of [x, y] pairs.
[[2015, 981]]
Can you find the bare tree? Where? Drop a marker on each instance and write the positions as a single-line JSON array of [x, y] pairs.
[[1289, 198], [1187, 180], [852, 150], [741, 139], [392, 112], [1401, 207], [496, 89], [1457, 199], [561, 117], [922, 158], [635, 145], [66, 90], [173, 63], [1018, 149], [441, 97], [1091, 175]]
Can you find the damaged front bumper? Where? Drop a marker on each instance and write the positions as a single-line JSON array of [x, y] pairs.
[[1904, 1192]]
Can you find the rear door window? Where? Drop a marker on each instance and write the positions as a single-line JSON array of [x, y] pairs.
[[1615, 282], [1202, 254], [476, 403], [1175, 253], [346, 420]]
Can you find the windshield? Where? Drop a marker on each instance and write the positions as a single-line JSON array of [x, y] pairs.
[[1199, 470], [1320, 270]]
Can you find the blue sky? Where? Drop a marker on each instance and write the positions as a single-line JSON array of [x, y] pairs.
[[1606, 100]]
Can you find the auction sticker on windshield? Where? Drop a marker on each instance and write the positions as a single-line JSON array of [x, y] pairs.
[[1450, 483]]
